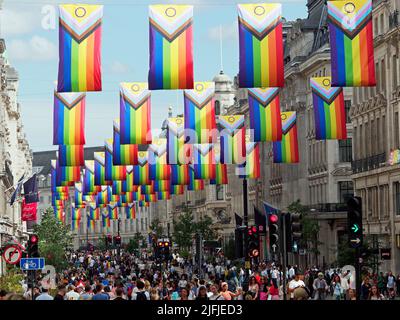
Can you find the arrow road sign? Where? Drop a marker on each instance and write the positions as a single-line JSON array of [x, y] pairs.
[[355, 228], [357, 240], [12, 254], [274, 247], [32, 263]]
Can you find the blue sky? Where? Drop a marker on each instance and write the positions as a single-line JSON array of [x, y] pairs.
[[33, 50]]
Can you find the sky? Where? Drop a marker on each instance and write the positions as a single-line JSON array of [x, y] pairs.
[[31, 32]]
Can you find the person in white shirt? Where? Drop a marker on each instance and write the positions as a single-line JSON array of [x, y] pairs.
[[72, 294], [291, 272], [295, 284]]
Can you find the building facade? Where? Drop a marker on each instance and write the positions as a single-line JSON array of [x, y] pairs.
[[15, 155], [127, 227], [375, 121]]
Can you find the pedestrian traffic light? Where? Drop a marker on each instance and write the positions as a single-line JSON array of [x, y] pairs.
[[254, 243], [293, 231], [273, 224], [33, 246], [117, 240], [354, 222]]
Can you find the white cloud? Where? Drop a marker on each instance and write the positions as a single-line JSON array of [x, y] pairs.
[[229, 32], [35, 49], [17, 22], [118, 67]]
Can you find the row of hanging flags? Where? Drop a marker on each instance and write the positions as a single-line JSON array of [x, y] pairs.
[[136, 168]]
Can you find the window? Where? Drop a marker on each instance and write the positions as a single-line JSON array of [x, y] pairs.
[[347, 106], [219, 191], [345, 150], [396, 131], [383, 76], [345, 191], [394, 75], [217, 108], [397, 198]]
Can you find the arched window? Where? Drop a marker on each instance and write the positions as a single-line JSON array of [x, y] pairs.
[[217, 108]]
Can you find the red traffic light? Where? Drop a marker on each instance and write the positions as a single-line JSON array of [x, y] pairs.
[[249, 231], [254, 229], [273, 218], [33, 239], [255, 253]]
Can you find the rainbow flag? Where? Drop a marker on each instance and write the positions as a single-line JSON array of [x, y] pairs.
[[147, 189], [135, 113], [123, 154], [71, 155], [100, 170], [150, 197], [163, 195], [59, 213], [221, 170], [113, 211], [143, 204], [329, 111], [131, 197], [88, 186], [69, 118], [91, 224], [94, 212], [261, 45], [76, 213], [162, 185], [180, 174], [287, 150], [130, 186], [75, 225], [112, 172], [157, 153], [232, 139], [130, 211], [119, 187], [171, 47], [56, 202], [177, 151], [194, 184], [55, 181], [79, 68], [177, 189], [61, 196], [141, 174], [104, 196], [265, 114], [199, 117], [251, 168], [106, 221], [78, 196], [351, 41], [204, 161], [66, 175]]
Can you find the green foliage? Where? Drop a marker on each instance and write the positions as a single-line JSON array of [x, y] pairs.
[[133, 244], [54, 240], [204, 228], [156, 228], [11, 281], [183, 230]]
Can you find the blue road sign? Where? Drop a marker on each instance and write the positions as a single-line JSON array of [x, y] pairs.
[[32, 263]]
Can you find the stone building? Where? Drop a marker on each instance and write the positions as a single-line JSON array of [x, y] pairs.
[[15, 155], [128, 228], [375, 121]]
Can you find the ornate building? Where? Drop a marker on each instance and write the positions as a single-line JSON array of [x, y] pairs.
[[15, 155], [375, 121]]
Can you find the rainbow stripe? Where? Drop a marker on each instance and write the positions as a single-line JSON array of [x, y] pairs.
[[104, 196], [147, 189], [251, 169], [204, 161], [119, 187], [199, 117], [78, 196], [329, 111], [130, 186], [91, 224], [143, 204], [55, 180], [94, 213], [141, 174], [100, 170], [180, 174], [163, 195], [162, 185], [123, 154], [135, 113], [351, 41], [112, 172], [57, 202], [171, 47], [232, 139], [194, 184], [59, 213], [265, 114], [106, 221], [112, 211], [69, 118], [261, 45], [157, 154], [177, 189], [88, 186], [71, 155], [75, 225], [131, 197], [177, 151], [80, 48], [150, 197], [76, 213], [130, 211], [221, 174], [68, 175], [287, 150]]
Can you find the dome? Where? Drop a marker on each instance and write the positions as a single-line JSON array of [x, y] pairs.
[[222, 77]]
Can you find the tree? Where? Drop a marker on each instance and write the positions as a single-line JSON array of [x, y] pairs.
[[134, 243], [204, 228], [156, 228], [310, 228], [184, 230], [54, 240]]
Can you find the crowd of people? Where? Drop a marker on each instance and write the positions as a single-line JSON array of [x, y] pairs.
[[106, 276]]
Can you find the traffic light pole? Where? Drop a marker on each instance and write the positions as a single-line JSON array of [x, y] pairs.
[[284, 251], [357, 266], [246, 236], [119, 245]]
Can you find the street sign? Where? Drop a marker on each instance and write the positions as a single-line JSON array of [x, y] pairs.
[[386, 254], [12, 254], [32, 263]]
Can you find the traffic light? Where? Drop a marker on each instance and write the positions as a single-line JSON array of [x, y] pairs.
[[254, 243], [293, 231], [117, 240], [109, 240], [354, 222], [273, 223], [33, 246]]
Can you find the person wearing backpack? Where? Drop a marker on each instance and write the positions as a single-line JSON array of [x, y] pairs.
[[141, 294]]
